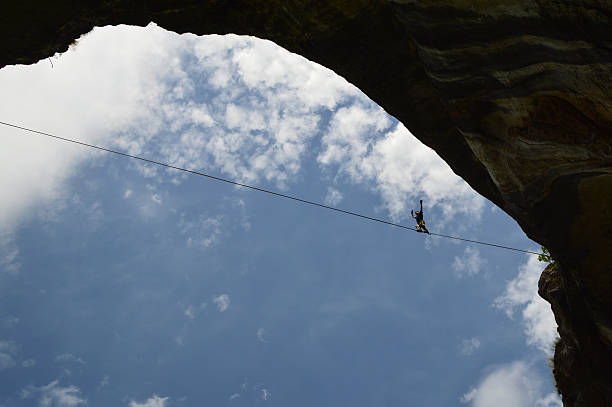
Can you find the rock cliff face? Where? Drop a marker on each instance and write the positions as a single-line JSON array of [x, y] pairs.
[[516, 95]]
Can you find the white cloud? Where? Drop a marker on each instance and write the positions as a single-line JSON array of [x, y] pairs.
[[234, 396], [54, 395], [469, 264], [92, 93], [333, 197], [265, 394], [8, 352], [156, 198], [351, 137], [261, 335], [361, 143], [537, 316], [510, 385], [10, 321], [154, 401], [28, 363], [550, 400], [179, 340], [95, 215], [257, 124], [8, 252], [222, 301], [469, 396], [8, 346], [469, 346], [244, 218], [6, 361], [69, 357], [190, 312], [104, 382], [265, 110], [262, 64], [202, 232]]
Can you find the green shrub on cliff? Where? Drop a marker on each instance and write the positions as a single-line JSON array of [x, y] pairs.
[[546, 257]]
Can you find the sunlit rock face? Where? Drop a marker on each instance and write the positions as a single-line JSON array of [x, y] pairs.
[[516, 95]]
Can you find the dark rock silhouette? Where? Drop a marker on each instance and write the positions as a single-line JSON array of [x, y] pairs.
[[516, 96]]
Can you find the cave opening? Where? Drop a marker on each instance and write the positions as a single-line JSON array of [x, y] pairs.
[[118, 276]]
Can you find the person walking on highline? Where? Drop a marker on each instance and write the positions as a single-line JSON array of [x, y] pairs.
[[418, 216]]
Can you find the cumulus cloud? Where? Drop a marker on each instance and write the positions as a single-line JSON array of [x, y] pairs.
[[550, 400], [511, 385], [8, 252], [244, 218], [267, 66], [154, 401], [222, 302], [260, 117], [104, 382], [69, 357], [202, 232], [190, 312], [8, 352], [363, 145], [261, 335], [469, 346], [156, 198], [333, 197], [28, 363], [537, 316], [91, 94], [10, 321], [266, 133], [469, 264], [179, 340], [234, 396], [265, 394], [6, 361], [263, 114], [54, 395]]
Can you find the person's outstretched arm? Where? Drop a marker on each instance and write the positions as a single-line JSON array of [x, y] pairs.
[[421, 205]]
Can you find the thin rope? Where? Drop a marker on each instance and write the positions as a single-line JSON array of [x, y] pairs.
[[267, 191]]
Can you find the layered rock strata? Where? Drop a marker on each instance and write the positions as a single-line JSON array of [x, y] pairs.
[[515, 95]]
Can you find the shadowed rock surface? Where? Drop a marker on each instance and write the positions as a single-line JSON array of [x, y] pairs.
[[515, 95]]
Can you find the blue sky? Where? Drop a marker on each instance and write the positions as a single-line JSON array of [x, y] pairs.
[[126, 284]]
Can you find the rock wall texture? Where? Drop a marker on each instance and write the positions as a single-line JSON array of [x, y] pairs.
[[516, 95]]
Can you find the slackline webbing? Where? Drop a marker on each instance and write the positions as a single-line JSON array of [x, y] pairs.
[[267, 191]]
